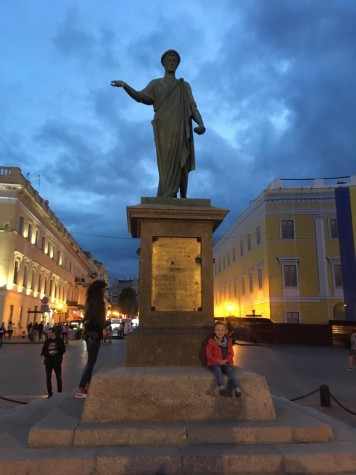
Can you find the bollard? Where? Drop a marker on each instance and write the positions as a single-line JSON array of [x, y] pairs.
[[325, 396]]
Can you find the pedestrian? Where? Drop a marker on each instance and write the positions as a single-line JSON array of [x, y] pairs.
[[40, 331], [10, 329], [52, 351], [66, 333], [108, 333], [34, 331], [120, 330], [2, 332], [219, 354], [30, 331], [352, 351], [94, 331], [45, 330]]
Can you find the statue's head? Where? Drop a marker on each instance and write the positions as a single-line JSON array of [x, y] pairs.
[[170, 52]]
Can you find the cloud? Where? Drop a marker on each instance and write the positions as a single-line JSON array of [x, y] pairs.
[[274, 82]]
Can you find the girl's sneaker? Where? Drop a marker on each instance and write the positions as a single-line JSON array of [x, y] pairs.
[[222, 391], [81, 393], [238, 392]]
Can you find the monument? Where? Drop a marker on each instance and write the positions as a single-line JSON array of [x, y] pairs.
[[165, 378], [174, 108]]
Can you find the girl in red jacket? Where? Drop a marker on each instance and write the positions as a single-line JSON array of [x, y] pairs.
[[219, 354]]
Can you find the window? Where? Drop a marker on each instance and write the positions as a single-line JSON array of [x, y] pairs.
[[290, 275], [16, 272], [258, 235], [333, 229], [24, 281], [224, 262], [259, 277], [36, 237], [337, 273], [233, 255], [39, 287], [21, 225], [243, 288], [43, 244], [29, 232], [20, 316], [235, 289], [250, 280], [228, 259], [241, 248], [292, 317], [287, 228], [33, 280], [249, 242]]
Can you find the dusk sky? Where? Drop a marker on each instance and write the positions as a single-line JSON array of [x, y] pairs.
[[274, 80]]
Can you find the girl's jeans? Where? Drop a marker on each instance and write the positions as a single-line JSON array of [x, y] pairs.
[[219, 372], [93, 347]]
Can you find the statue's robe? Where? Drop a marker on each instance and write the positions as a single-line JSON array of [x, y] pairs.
[[173, 105]]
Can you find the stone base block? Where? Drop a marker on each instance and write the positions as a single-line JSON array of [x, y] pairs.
[[167, 346], [120, 394]]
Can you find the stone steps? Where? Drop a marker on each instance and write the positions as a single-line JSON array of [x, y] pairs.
[[187, 460], [295, 442], [49, 436]]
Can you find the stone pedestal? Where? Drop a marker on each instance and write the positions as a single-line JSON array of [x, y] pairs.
[[121, 394], [176, 280]]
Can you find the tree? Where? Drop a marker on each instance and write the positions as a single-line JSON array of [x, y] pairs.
[[128, 301]]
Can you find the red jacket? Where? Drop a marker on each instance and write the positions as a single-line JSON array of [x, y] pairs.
[[214, 353]]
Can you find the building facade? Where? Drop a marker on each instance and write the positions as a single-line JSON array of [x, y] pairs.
[[118, 286], [43, 270], [290, 256]]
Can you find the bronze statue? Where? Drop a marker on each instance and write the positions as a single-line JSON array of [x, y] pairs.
[[174, 108]]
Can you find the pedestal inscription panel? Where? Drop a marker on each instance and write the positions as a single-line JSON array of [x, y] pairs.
[[176, 274]]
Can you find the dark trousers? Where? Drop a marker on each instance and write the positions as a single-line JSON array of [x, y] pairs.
[[57, 371], [93, 347]]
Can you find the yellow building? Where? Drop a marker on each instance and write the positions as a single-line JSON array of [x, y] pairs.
[[290, 256], [41, 265]]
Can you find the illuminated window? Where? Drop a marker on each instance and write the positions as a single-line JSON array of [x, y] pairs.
[[29, 232], [250, 280], [259, 277], [16, 272], [21, 225], [24, 281]]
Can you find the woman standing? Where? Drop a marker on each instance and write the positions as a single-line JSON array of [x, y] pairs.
[[94, 331]]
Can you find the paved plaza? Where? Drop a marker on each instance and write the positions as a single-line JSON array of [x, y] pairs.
[[291, 372]]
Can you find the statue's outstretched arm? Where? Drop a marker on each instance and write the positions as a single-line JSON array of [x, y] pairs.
[[130, 91]]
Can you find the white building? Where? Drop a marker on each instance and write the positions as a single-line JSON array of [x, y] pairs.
[[39, 259]]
